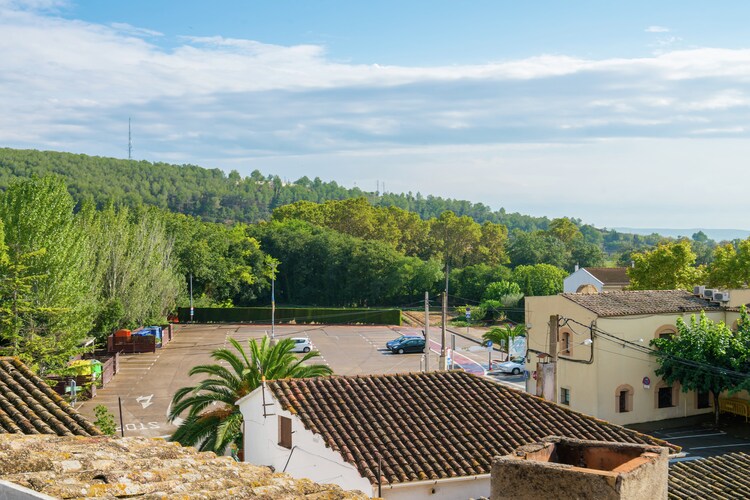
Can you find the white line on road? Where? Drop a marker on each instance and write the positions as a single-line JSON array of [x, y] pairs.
[[719, 446], [674, 438]]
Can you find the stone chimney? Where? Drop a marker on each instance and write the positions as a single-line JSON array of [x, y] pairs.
[[565, 468]]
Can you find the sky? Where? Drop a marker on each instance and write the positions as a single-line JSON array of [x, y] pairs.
[[618, 113]]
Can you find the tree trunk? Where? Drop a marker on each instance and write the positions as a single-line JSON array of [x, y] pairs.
[[716, 408]]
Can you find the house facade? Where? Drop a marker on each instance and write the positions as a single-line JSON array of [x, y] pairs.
[[596, 360], [418, 435]]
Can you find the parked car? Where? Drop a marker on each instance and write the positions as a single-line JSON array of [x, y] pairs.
[[514, 366], [408, 344], [393, 342], [302, 345]]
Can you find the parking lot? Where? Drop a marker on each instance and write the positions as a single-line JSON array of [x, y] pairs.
[[702, 442], [146, 382]]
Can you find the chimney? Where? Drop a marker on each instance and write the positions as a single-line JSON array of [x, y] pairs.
[[565, 468], [576, 266]]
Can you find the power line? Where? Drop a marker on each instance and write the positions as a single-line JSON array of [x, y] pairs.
[[650, 351]]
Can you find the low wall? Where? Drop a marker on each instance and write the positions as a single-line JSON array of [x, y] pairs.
[[299, 315]]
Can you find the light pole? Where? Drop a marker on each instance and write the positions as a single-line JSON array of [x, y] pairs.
[[192, 311], [273, 263]]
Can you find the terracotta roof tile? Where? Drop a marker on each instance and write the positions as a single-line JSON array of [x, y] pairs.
[[136, 467], [29, 406], [723, 476], [610, 275], [432, 425], [629, 302]]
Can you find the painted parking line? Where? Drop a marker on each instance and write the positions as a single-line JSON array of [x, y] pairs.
[[720, 446], [677, 438], [690, 431]]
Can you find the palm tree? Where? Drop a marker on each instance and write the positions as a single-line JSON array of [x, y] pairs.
[[213, 420], [504, 335]]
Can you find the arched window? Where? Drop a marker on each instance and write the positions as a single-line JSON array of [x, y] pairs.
[[624, 398], [587, 289], [665, 331], [566, 348]]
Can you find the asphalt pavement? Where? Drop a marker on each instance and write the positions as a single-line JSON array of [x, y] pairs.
[[146, 382]]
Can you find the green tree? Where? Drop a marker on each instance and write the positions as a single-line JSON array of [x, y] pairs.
[[455, 237], [504, 336], [541, 279], [564, 230], [51, 266], [537, 248], [670, 266], [706, 356], [731, 265], [213, 421]]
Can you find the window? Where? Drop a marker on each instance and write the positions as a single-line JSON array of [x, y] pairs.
[[285, 432], [665, 332], [624, 399], [565, 396], [702, 400], [565, 343], [665, 397]]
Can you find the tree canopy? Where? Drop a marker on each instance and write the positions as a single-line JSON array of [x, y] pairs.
[[213, 421], [706, 356], [670, 266]]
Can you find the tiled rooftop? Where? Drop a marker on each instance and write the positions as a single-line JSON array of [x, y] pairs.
[[723, 476], [29, 406], [135, 467], [432, 425], [610, 275], [626, 303]]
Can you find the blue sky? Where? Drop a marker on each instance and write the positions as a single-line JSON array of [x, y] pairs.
[[618, 113]]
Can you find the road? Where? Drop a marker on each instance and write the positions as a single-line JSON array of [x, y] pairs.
[[146, 382]]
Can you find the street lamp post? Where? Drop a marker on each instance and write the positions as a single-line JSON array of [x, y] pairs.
[[273, 301]]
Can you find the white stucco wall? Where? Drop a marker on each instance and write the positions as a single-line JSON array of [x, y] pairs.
[[312, 460], [578, 278], [308, 458]]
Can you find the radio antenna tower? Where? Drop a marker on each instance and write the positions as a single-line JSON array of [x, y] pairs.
[[130, 142]]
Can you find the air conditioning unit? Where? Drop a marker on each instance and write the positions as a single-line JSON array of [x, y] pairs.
[[708, 293], [698, 290], [721, 296]]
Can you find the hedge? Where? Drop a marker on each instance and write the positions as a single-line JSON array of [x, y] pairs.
[[302, 315]]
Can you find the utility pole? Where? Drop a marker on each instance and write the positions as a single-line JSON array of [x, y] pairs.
[[192, 311], [130, 142], [427, 331], [273, 263], [443, 357], [554, 323]]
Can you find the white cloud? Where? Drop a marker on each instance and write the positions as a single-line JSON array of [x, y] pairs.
[[657, 29], [128, 29], [521, 124]]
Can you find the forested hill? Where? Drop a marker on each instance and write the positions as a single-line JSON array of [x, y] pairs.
[[215, 196]]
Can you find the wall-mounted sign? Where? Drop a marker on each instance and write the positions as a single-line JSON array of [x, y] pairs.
[[646, 382]]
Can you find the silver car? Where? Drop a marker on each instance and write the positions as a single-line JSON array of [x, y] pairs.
[[514, 366], [302, 345]]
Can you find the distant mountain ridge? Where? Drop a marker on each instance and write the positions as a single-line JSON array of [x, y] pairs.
[[714, 234]]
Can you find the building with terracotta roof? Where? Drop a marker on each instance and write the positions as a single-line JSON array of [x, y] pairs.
[[595, 358], [411, 435], [46, 466], [723, 476], [596, 279], [29, 406]]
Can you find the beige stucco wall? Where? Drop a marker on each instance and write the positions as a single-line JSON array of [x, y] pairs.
[[538, 312], [593, 386]]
